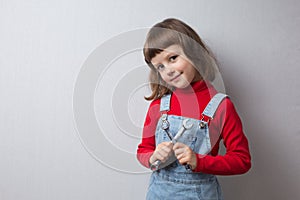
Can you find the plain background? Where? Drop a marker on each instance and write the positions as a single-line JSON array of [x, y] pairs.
[[43, 45]]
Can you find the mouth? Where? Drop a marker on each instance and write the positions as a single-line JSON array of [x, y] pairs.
[[175, 77]]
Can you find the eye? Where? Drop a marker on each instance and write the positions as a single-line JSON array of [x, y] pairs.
[[173, 58], [160, 67]]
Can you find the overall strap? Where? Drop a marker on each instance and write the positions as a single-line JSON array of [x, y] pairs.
[[213, 104], [165, 103]]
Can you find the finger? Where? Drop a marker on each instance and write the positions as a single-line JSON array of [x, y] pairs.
[[160, 156], [178, 152], [165, 146], [166, 149], [163, 154], [183, 161], [189, 159], [179, 148], [178, 145], [183, 153], [170, 145], [185, 158], [166, 143]]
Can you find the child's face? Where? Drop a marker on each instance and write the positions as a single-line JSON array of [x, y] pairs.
[[174, 67]]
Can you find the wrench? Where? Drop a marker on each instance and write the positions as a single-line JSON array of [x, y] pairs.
[[185, 126]]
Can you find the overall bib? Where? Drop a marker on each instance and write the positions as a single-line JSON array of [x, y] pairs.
[[173, 180]]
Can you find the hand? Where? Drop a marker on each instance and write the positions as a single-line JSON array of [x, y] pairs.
[[185, 155], [162, 152]]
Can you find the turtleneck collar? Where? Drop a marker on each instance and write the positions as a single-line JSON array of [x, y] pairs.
[[194, 87]]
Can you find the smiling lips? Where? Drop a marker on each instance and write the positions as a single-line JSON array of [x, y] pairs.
[[172, 79]]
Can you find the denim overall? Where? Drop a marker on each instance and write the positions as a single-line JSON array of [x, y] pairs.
[[173, 180]]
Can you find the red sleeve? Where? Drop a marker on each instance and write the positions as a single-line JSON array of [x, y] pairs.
[[237, 159], [147, 146]]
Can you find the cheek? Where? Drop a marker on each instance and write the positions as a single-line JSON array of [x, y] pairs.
[[190, 73], [185, 65], [193, 70], [182, 64], [163, 76]]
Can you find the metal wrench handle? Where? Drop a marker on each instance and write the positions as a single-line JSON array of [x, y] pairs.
[[185, 125], [155, 165]]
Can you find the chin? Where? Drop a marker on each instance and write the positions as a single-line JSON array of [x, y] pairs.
[[182, 86]]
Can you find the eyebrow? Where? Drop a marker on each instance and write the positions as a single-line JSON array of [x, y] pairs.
[[168, 54]]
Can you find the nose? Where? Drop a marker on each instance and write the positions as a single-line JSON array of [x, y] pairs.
[[169, 70]]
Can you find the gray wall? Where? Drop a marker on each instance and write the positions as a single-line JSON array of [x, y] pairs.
[[46, 44]]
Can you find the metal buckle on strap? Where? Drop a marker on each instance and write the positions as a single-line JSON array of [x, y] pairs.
[[165, 123], [203, 123]]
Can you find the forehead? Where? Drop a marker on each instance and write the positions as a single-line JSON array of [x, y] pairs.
[[173, 49]]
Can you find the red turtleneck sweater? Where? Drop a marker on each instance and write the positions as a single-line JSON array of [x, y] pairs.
[[226, 125]]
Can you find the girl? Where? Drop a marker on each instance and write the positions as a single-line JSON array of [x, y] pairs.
[[187, 118]]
